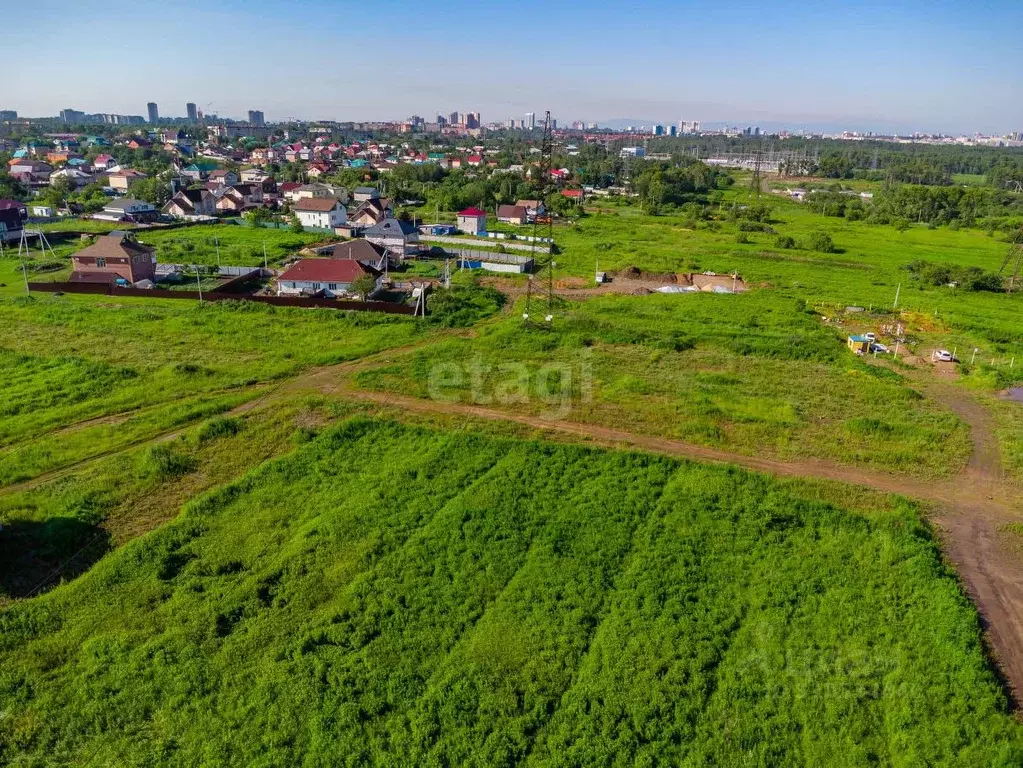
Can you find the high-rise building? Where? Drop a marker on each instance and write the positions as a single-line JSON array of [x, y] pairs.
[[471, 120], [530, 121], [696, 126], [441, 120], [658, 130], [673, 130], [683, 126], [154, 113], [453, 119], [256, 117], [193, 116], [8, 114], [554, 124], [71, 115]]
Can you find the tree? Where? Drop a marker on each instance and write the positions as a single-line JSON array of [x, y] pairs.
[[258, 217], [153, 190], [822, 242], [364, 285], [11, 188], [296, 223]]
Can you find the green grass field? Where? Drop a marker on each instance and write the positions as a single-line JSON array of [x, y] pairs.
[[505, 603], [753, 373]]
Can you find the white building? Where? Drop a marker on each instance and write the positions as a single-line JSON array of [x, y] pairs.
[[320, 212]]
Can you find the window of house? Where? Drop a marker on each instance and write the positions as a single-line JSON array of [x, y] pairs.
[[100, 261], [332, 286], [316, 286]]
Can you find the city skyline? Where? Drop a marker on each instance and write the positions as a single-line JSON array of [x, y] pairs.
[[850, 65]]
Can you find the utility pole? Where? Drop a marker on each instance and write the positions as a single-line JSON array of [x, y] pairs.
[[265, 266], [217, 241], [897, 290], [972, 359], [24, 273], [198, 283]]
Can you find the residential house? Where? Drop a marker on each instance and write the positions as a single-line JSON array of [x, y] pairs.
[[198, 171], [289, 190], [324, 277], [103, 162], [307, 191], [399, 238], [36, 170], [116, 256], [318, 169], [255, 176], [225, 177], [533, 207], [320, 212], [119, 181], [512, 214], [127, 209], [371, 213], [472, 221], [370, 254], [362, 194], [77, 178], [191, 202], [20, 207], [573, 194], [11, 224]]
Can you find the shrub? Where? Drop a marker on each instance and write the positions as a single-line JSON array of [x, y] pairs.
[[742, 238], [822, 242], [161, 462], [222, 426], [785, 241]]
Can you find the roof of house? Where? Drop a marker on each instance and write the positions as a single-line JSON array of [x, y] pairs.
[[125, 203], [289, 186], [366, 191], [356, 250], [511, 212], [472, 213], [5, 204], [326, 271], [390, 228], [528, 203], [316, 204], [92, 277], [115, 245], [221, 173]]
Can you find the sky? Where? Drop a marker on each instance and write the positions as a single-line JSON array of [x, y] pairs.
[[902, 65]]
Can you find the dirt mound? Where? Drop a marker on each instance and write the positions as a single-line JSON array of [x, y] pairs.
[[635, 273]]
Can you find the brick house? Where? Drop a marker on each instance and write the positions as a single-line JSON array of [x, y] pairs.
[[113, 256]]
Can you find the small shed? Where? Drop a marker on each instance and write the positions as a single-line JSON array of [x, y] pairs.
[[859, 344]]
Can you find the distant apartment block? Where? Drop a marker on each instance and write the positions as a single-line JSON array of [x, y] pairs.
[[256, 117], [190, 110], [154, 113], [8, 114]]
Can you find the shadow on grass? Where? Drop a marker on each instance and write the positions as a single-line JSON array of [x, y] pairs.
[[36, 556]]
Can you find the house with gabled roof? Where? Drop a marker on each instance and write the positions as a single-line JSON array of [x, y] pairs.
[[112, 256], [399, 238], [189, 203], [472, 221], [320, 212], [331, 278]]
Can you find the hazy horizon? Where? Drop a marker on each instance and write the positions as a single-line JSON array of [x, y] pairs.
[[909, 66]]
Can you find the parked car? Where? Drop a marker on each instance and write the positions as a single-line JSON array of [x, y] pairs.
[[943, 356], [876, 347]]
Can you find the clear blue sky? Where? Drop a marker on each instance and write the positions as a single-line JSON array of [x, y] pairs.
[[909, 64]]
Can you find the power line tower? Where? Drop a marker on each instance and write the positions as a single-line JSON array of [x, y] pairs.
[[1014, 257], [539, 309], [758, 159]]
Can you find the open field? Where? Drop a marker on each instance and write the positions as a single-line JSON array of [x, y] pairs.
[[506, 602], [240, 245], [751, 373]]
